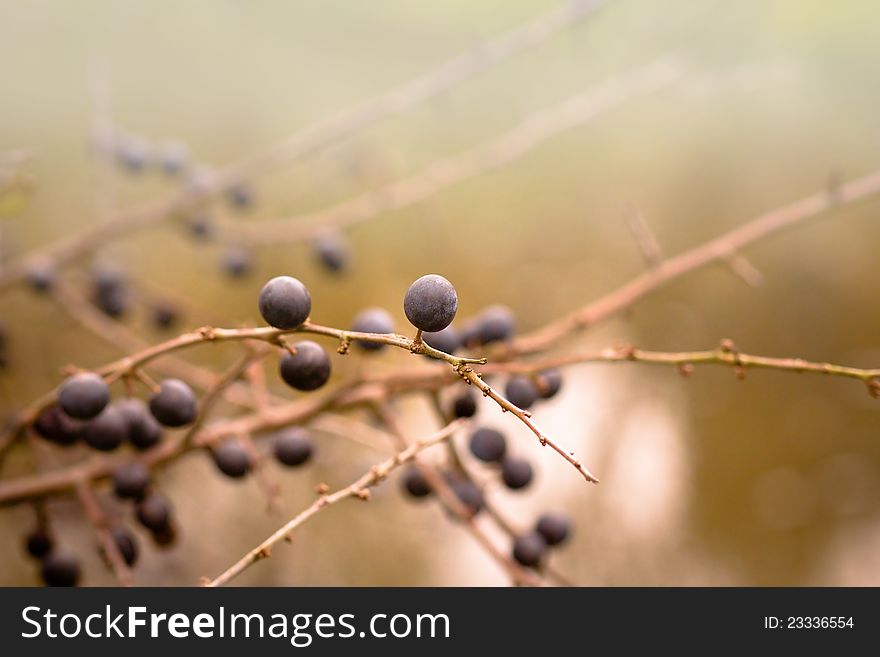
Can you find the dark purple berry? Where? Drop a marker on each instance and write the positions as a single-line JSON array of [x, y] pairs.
[[143, 429], [554, 527], [154, 512], [237, 262], [521, 392], [372, 320], [528, 549], [469, 495], [165, 315], [488, 445], [464, 405], [55, 425], [415, 484], [332, 252], [293, 446], [107, 431], [285, 302], [110, 291], [232, 459], [175, 404], [516, 473], [549, 383], [448, 340], [40, 276], [39, 543], [130, 480], [430, 303], [307, 369], [84, 395], [240, 196], [125, 543], [60, 568], [495, 324]]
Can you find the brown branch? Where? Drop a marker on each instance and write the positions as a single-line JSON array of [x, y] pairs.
[[357, 489], [321, 135], [452, 170], [720, 248], [102, 529]]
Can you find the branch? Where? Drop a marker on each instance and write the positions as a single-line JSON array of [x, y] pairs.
[[722, 247], [446, 172], [108, 544], [357, 489]]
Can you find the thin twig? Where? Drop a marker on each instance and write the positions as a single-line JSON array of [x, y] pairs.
[[102, 529]]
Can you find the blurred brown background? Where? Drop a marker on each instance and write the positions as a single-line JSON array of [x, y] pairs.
[[771, 480]]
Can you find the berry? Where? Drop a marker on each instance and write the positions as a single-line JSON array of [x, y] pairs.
[[175, 404], [469, 495], [84, 395], [143, 429], [521, 392], [61, 568], [415, 483], [110, 291], [154, 512], [332, 252], [516, 473], [55, 425], [240, 196], [165, 315], [201, 227], [165, 536], [549, 383], [293, 446], [40, 276], [125, 543], [107, 431], [448, 340], [130, 480], [285, 302], [232, 459], [488, 445], [173, 157], [554, 527], [495, 324], [307, 369], [430, 303], [528, 549], [465, 405], [39, 543], [237, 262], [372, 320]]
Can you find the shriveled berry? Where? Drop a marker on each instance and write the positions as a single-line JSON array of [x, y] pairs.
[[144, 431], [55, 425], [488, 445], [549, 383], [415, 484], [516, 473], [372, 320], [232, 459], [175, 404], [554, 527], [293, 446], [529, 549], [430, 303], [448, 340], [154, 512], [521, 392], [130, 480], [308, 368], [61, 568], [285, 302], [39, 543], [107, 431], [84, 395], [464, 405]]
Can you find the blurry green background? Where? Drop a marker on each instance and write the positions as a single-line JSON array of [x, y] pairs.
[[769, 481]]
